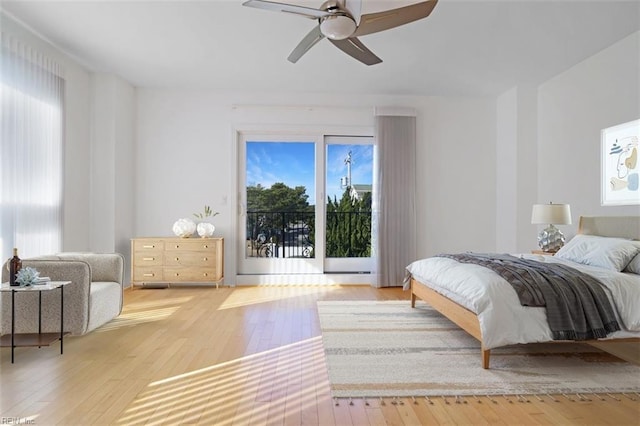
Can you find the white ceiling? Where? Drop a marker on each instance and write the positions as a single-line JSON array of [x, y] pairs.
[[472, 47]]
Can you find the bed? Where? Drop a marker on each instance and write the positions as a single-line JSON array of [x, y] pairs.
[[486, 306]]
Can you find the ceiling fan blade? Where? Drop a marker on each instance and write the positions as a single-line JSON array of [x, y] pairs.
[[354, 47], [307, 12], [355, 9], [380, 21], [305, 44]]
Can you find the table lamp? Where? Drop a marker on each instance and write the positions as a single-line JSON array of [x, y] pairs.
[[551, 239]]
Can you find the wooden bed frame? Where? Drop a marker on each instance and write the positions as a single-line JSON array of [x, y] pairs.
[[606, 226]]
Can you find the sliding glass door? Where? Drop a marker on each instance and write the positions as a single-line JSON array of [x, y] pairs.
[[349, 186], [305, 204]]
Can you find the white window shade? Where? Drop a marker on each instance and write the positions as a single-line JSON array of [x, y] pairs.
[[31, 166]]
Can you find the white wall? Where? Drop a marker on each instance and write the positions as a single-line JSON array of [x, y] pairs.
[[185, 158], [528, 161], [507, 171], [112, 165], [456, 191], [573, 108], [516, 169]]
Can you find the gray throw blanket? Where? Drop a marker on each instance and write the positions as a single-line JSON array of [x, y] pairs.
[[577, 306]]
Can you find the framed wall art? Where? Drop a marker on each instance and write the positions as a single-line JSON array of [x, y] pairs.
[[620, 167]]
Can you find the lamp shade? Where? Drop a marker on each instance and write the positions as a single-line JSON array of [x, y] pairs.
[[553, 214]]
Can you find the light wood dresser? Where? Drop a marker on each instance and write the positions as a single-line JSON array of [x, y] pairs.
[[177, 260]]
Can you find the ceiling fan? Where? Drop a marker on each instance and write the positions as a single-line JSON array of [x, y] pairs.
[[341, 22]]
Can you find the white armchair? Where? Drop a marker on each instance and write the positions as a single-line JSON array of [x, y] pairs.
[[93, 298]]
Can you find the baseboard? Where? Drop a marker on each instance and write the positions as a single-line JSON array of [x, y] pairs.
[[306, 279]]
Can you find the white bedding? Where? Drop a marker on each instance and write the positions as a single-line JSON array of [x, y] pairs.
[[503, 321]]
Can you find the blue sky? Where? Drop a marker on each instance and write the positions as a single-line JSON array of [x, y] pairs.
[[293, 164]]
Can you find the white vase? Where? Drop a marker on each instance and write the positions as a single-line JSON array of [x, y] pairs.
[[205, 229], [184, 228]]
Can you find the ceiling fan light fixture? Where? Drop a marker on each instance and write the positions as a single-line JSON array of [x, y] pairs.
[[337, 27], [342, 22]]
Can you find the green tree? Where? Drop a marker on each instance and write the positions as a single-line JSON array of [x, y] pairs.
[[279, 197], [279, 214], [349, 226]]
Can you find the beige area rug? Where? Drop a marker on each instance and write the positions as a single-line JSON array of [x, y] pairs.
[[388, 349]]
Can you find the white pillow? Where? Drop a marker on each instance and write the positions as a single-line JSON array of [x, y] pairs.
[[634, 265], [604, 252]]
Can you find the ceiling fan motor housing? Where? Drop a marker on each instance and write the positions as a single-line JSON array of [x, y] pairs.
[[338, 26]]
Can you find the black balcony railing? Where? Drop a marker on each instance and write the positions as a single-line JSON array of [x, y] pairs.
[[280, 234], [290, 234]]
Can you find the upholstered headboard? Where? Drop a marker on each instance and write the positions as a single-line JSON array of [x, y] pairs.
[[610, 226]]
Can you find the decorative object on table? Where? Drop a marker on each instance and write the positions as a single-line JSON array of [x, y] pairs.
[[620, 169], [27, 276], [551, 238], [204, 228], [14, 265], [184, 228]]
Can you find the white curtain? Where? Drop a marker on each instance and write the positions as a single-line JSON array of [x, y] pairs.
[[394, 217], [31, 152]]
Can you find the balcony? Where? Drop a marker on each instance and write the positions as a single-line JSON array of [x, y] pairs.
[[290, 234]]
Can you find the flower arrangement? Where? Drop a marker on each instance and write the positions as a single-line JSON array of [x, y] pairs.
[[27, 276], [207, 213]]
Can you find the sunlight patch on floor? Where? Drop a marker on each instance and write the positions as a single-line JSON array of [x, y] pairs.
[[144, 312], [244, 390], [132, 306], [245, 296], [137, 318]]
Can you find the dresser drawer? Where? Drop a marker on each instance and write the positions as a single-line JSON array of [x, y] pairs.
[[148, 245], [183, 258], [190, 274], [147, 275], [202, 244], [145, 259]]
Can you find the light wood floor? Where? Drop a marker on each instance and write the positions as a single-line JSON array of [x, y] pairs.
[[249, 355]]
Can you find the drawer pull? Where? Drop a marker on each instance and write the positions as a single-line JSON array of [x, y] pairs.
[[205, 259], [206, 246], [149, 246], [177, 274], [177, 259], [177, 246], [148, 275], [205, 274], [148, 258]]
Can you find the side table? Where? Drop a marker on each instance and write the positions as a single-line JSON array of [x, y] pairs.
[[33, 339]]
